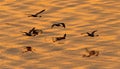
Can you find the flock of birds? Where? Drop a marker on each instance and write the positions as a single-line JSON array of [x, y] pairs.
[[35, 32]]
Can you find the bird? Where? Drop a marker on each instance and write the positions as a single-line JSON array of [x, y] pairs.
[[58, 24], [60, 38], [36, 32], [33, 32], [91, 53], [28, 48], [36, 15], [92, 34], [30, 32]]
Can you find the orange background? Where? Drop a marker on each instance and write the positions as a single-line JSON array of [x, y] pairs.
[[80, 16]]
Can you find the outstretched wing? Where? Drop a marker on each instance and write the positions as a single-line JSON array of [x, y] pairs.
[[97, 53], [64, 35], [94, 32], [88, 33], [63, 24], [87, 50], [41, 31], [53, 25], [40, 12], [38, 30], [32, 30]]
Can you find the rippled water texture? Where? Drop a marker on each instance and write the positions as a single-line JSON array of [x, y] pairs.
[[80, 16]]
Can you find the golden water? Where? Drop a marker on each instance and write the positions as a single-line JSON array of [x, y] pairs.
[[80, 16]]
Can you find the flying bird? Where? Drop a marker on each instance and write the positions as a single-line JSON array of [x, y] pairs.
[[91, 53], [36, 32], [33, 32], [58, 24], [30, 32], [60, 38], [36, 15], [92, 34], [28, 48]]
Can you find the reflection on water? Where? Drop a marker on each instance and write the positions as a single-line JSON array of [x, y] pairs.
[[78, 16]]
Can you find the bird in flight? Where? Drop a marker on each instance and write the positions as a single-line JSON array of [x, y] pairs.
[[28, 49], [92, 34], [91, 53], [30, 32], [59, 38], [58, 24], [36, 32], [36, 15], [33, 32]]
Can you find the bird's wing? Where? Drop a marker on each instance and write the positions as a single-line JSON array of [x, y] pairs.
[[53, 25], [63, 24], [94, 32], [53, 39], [40, 12], [32, 30], [97, 53], [64, 35], [41, 31], [87, 50], [38, 30], [88, 33]]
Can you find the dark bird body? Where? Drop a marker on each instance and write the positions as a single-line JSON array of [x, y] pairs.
[[91, 53], [33, 32], [92, 34], [28, 48], [60, 38], [36, 32], [58, 24], [36, 15], [30, 32]]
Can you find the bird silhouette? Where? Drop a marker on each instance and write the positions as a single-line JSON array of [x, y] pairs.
[[30, 32], [91, 53], [59, 38], [36, 32], [92, 34], [58, 24], [33, 32], [28, 48], [36, 15]]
